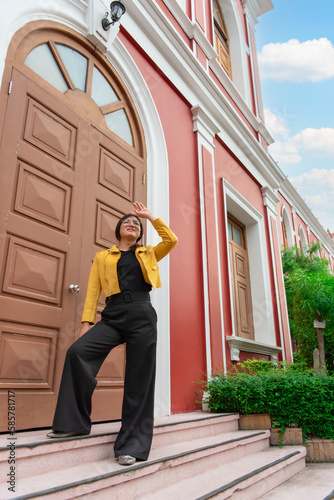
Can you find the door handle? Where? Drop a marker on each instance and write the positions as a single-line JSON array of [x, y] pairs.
[[74, 288]]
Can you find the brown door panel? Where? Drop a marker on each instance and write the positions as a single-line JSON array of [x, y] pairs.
[[242, 301]]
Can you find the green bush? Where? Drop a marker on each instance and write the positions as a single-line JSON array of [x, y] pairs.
[[309, 287], [294, 397]]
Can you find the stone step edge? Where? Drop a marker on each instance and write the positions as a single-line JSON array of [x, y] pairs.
[[136, 466], [105, 453], [247, 476], [207, 418], [49, 441], [330, 496]]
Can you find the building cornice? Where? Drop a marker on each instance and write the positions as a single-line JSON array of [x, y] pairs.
[[238, 344], [255, 8]]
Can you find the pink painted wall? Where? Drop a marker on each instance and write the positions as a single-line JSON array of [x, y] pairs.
[[201, 56], [199, 13]]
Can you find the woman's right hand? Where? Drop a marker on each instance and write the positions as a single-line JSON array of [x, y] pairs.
[[85, 326], [141, 211]]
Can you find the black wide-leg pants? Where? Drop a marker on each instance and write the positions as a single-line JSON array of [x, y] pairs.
[[136, 324]]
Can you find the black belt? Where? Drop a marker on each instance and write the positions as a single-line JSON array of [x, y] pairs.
[[128, 297]]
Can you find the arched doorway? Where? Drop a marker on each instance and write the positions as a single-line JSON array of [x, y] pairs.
[[72, 161]]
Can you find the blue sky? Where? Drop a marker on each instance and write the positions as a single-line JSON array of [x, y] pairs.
[[295, 43]]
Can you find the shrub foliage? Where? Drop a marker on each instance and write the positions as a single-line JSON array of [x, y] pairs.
[[309, 286], [292, 395]]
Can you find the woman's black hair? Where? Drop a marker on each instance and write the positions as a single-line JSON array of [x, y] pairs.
[[118, 227]]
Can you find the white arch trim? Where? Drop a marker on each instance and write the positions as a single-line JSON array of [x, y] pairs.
[[288, 226], [302, 239]]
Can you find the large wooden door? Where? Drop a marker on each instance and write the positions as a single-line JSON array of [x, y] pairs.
[[63, 186]]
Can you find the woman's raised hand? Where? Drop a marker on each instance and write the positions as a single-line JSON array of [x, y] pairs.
[[141, 211]]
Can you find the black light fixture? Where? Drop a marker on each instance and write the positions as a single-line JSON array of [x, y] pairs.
[[117, 9]]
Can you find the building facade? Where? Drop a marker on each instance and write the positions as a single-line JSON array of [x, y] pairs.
[[165, 108]]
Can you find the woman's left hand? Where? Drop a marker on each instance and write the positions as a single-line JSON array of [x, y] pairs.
[[141, 211]]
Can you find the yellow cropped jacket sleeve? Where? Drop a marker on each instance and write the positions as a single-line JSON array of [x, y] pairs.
[[103, 273]]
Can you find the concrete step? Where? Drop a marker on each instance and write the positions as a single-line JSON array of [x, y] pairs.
[[248, 478], [169, 477], [179, 460], [197, 454], [315, 482], [37, 454]]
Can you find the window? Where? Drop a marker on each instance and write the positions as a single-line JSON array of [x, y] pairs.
[[67, 69], [221, 38]]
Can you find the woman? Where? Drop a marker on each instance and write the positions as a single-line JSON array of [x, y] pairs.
[[126, 273]]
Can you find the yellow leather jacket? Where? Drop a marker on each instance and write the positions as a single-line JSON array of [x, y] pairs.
[[103, 274]]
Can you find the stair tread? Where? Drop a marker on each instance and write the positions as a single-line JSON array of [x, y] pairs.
[[198, 448], [314, 482], [37, 437], [212, 479], [209, 480], [172, 451]]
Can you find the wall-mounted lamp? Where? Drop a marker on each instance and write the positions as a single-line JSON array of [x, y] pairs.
[[117, 9]]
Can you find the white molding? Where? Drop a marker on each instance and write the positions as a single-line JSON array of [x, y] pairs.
[[254, 214], [204, 125], [201, 139], [238, 344], [270, 199], [255, 8], [288, 226], [102, 39], [302, 233], [191, 28]]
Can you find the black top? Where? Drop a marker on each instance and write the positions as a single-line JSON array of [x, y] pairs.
[[130, 276]]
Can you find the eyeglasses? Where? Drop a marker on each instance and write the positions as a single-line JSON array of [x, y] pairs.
[[133, 222]]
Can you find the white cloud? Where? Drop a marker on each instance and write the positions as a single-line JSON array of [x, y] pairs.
[[297, 61], [275, 124], [310, 142], [315, 178], [285, 152], [317, 142], [317, 189]]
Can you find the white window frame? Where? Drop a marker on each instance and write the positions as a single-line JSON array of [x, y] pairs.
[[264, 327]]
